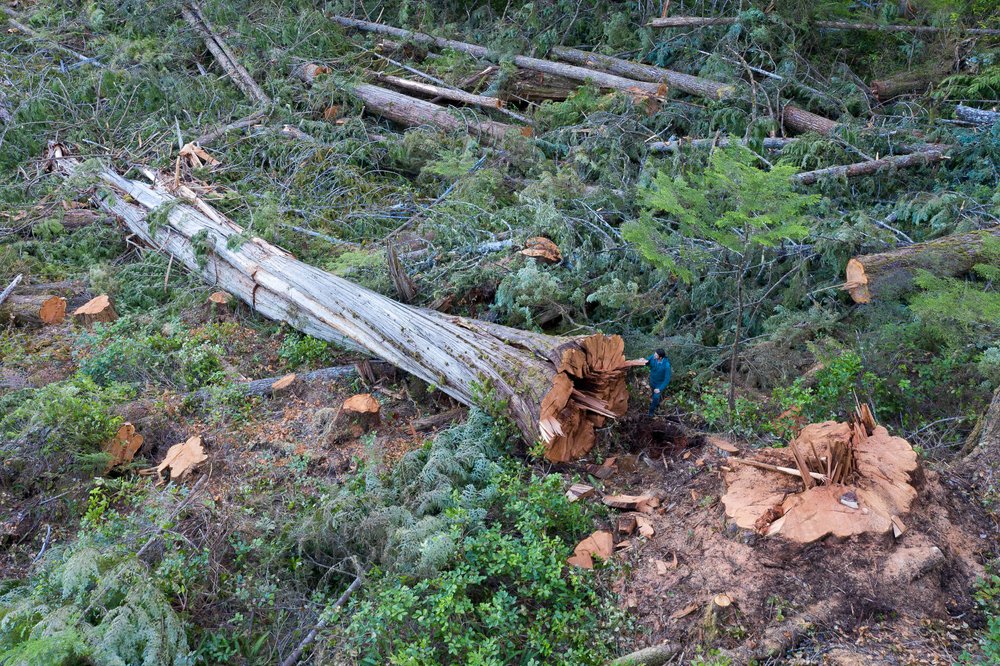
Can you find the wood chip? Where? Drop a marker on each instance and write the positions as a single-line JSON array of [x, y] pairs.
[[599, 544], [645, 526], [898, 527], [684, 612], [723, 444], [123, 446], [627, 523], [283, 382], [661, 567], [626, 502], [579, 491]]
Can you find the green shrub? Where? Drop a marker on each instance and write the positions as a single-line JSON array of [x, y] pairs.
[[73, 415], [126, 352], [298, 350], [467, 560]]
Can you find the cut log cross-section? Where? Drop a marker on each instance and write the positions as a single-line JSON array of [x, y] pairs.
[[462, 357], [948, 256], [33, 310]]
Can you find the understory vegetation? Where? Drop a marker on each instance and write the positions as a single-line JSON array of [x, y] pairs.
[[714, 253]]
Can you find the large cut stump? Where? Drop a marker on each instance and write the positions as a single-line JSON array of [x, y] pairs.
[[33, 311], [581, 381], [852, 478]]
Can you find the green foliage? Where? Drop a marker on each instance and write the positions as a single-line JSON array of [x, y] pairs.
[[468, 560], [86, 605], [988, 600], [298, 350], [70, 416], [731, 207], [128, 352]]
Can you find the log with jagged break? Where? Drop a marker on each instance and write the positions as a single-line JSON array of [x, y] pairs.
[[554, 388]]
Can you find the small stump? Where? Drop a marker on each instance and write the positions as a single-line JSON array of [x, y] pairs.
[[357, 416], [99, 309]]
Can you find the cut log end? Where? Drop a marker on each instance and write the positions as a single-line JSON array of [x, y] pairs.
[[587, 388], [96, 310], [53, 310], [857, 282]]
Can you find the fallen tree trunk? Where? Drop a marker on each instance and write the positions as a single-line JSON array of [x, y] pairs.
[[770, 143], [982, 451], [413, 112], [432, 90], [223, 55], [693, 85], [553, 387], [798, 119], [13, 18], [976, 116], [882, 27], [600, 79], [870, 167], [706, 21], [254, 118], [33, 310], [906, 82], [951, 255]]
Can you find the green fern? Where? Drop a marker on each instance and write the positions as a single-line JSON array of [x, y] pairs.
[[84, 606]]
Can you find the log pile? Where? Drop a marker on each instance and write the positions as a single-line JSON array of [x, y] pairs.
[[465, 358], [855, 478]]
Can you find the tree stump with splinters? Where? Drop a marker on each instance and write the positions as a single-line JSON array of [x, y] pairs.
[[96, 310], [853, 478], [34, 310]]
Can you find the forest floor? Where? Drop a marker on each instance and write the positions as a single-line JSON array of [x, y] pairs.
[[870, 599]]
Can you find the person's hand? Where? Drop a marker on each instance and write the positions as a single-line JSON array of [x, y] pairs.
[[656, 390], [645, 361]]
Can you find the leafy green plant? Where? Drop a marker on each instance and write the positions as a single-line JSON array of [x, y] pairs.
[[298, 350]]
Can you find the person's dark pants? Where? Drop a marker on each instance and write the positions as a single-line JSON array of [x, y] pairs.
[[655, 402]]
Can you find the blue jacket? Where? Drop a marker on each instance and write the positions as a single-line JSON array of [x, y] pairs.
[[659, 372]]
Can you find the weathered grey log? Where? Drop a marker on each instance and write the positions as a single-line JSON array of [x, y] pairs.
[[438, 420], [977, 116], [707, 21], [9, 289], [870, 167], [798, 119], [249, 121], [414, 112], [13, 18], [882, 27], [224, 55], [693, 85], [770, 143], [463, 357], [600, 79], [948, 256]]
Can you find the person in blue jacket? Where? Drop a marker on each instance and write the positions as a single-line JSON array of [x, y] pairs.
[[659, 377]]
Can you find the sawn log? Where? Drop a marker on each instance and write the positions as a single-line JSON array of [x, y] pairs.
[[951, 255]]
